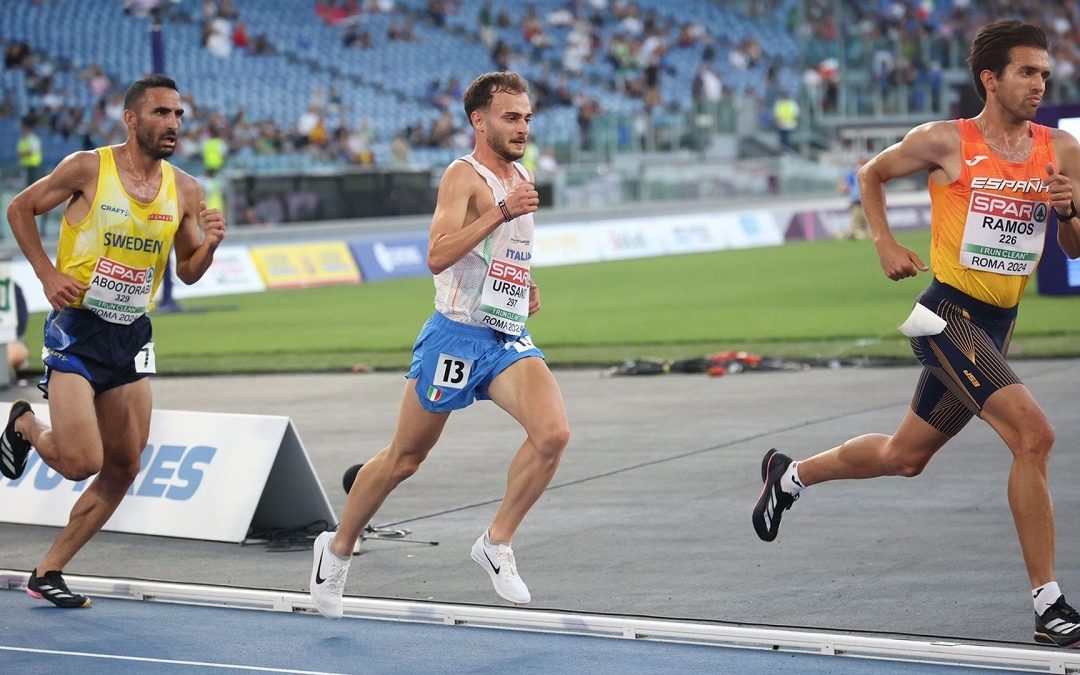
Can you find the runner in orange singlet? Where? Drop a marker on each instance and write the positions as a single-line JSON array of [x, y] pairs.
[[993, 181]]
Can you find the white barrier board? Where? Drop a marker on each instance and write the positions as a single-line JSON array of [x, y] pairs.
[[203, 476]]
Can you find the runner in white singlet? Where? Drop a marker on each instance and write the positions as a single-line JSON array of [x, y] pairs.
[[475, 346]]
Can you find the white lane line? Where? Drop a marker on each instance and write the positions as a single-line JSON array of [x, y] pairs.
[[203, 664]]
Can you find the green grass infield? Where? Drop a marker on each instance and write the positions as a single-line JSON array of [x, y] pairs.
[[811, 301]]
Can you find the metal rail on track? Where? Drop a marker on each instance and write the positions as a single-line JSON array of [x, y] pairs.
[[943, 652]]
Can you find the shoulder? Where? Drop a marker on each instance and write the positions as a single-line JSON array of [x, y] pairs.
[[186, 184], [82, 163], [941, 137], [942, 131], [1062, 139], [460, 175]]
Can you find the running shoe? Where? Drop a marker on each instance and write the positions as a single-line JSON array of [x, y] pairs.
[[1059, 624], [50, 586], [14, 449], [328, 574], [773, 501], [498, 561]]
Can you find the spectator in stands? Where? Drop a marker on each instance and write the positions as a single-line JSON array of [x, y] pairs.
[[858, 227], [28, 152], [485, 19], [785, 114], [399, 150], [16, 55]]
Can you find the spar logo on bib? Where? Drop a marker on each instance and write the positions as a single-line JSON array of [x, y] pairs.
[[122, 272], [505, 271], [1006, 214]]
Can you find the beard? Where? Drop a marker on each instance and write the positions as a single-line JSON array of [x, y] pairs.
[[502, 148], [151, 144]]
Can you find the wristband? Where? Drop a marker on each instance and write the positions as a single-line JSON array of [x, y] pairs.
[[1069, 216], [505, 211]]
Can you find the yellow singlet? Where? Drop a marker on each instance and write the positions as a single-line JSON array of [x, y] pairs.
[[121, 247]]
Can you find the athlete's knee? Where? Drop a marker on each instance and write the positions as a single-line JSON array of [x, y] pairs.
[[81, 467], [903, 461], [122, 469], [551, 441], [405, 465], [1036, 442]]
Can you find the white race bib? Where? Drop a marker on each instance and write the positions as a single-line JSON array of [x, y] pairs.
[[145, 362], [1003, 234], [118, 293], [504, 303]]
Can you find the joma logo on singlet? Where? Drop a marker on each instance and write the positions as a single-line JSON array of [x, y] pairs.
[[1030, 185]]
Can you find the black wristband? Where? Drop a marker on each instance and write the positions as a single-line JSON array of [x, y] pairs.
[[1069, 216], [505, 211]]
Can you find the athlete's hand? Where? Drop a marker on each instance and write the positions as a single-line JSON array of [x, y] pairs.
[[212, 222], [899, 262], [522, 199], [534, 297], [62, 289], [1061, 192]]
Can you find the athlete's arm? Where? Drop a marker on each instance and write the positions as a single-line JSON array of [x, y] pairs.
[[1062, 196], [920, 150], [451, 238], [199, 232], [73, 178]]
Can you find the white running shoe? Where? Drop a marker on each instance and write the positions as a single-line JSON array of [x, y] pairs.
[[328, 574], [498, 560]]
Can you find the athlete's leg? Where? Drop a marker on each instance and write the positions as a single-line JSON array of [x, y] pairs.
[[528, 391], [905, 453], [123, 425], [1022, 424], [73, 446], [416, 434]]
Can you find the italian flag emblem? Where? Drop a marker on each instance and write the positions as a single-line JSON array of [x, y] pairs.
[[433, 393]]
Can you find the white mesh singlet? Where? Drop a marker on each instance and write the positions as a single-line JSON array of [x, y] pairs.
[[458, 287]]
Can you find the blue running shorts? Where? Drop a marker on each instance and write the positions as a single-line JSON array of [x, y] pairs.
[[454, 364], [80, 342]]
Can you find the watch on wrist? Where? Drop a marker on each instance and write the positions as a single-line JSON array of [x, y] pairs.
[[1068, 216]]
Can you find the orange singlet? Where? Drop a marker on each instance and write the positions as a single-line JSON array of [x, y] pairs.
[[988, 226]]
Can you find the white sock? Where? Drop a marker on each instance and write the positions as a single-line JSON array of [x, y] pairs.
[[1044, 596], [790, 482]]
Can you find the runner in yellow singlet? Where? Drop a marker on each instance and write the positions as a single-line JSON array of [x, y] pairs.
[[126, 208], [993, 181]]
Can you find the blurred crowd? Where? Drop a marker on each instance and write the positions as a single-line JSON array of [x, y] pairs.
[[903, 46]]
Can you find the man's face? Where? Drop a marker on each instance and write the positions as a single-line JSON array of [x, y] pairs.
[[506, 124], [1021, 86], [156, 121]]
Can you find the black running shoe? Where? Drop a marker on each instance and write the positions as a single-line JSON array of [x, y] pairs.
[[1058, 625], [773, 501], [14, 449], [50, 586]]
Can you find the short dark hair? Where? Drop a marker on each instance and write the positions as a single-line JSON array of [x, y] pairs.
[[480, 92], [992, 46], [138, 88]]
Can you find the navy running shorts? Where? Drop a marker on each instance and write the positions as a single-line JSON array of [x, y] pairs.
[[80, 342], [965, 362], [454, 364]]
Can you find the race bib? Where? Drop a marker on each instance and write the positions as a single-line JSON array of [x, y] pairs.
[[119, 293], [1003, 234], [504, 303], [145, 361], [452, 371]]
